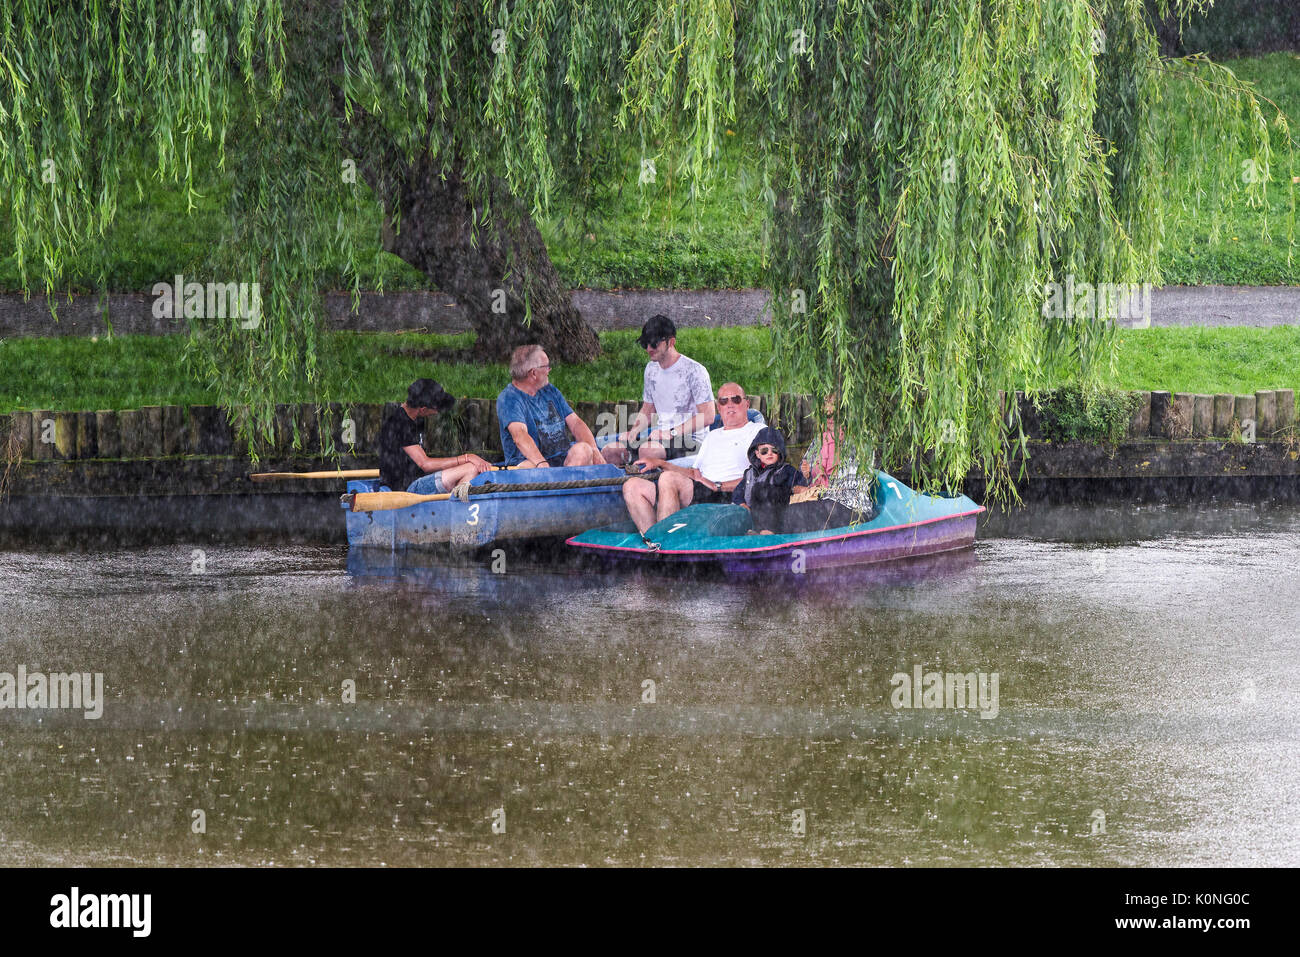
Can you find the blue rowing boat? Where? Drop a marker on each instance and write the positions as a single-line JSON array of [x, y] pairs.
[[494, 516], [817, 534]]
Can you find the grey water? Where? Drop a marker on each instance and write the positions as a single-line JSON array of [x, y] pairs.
[[303, 705]]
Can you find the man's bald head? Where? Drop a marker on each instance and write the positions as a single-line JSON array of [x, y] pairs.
[[733, 405]]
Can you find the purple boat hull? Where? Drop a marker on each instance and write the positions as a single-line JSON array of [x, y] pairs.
[[931, 538]]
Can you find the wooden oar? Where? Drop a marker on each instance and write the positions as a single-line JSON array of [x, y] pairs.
[[351, 474], [346, 474], [383, 501]]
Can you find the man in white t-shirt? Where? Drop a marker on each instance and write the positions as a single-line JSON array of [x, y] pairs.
[[676, 400], [719, 467]]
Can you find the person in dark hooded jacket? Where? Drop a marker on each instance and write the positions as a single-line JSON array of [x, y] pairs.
[[766, 486]]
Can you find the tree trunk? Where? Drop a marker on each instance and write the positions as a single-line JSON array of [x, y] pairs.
[[434, 236]]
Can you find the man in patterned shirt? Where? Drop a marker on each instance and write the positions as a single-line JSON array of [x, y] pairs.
[[676, 401]]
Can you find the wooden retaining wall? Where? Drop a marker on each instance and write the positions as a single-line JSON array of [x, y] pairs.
[[157, 432]]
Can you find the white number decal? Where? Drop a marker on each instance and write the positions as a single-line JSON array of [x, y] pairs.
[[677, 526], [894, 486], [473, 515]]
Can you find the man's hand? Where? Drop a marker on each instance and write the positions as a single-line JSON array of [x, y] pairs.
[[483, 465]]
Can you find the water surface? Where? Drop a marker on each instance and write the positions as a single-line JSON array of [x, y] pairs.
[[1146, 656]]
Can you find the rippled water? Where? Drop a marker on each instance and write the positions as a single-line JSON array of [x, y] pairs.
[[1147, 663]]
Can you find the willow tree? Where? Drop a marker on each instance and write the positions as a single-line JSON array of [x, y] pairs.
[[930, 166]]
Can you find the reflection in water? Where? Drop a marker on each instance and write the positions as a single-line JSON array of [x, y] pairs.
[[1147, 667]]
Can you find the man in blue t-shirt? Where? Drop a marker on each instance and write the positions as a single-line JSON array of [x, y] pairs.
[[533, 414]]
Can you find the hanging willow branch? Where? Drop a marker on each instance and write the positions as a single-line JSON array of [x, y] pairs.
[[930, 167]]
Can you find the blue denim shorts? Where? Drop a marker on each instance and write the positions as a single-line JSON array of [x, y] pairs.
[[430, 484]]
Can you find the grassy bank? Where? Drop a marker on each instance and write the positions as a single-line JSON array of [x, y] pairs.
[[635, 235], [133, 371]]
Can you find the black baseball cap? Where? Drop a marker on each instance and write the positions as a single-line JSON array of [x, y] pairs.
[[656, 329], [427, 394]]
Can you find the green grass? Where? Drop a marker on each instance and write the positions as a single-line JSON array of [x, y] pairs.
[[1196, 359], [1241, 254], [647, 236], [132, 371]]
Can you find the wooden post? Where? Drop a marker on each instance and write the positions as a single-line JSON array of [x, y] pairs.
[[1223, 403], [87, 435], [1139, 426], [65, 435], [209, 431], [107, 434], [1161, 415], [1265, 413], [173, 430], [1181, 418], [20, 435], [1285, 408], [1244, 412], [1202, 415]]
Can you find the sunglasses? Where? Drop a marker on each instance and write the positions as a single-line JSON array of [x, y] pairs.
[[724, 399], [765, 450]]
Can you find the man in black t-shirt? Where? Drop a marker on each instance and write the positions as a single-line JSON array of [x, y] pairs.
[[403, 463]]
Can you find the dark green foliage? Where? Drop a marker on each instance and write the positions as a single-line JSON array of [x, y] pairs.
[[927, 166], [1090, 415]]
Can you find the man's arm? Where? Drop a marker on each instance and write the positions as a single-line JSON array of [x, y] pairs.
[[640, 422], [428, 464], [704, 415], [579, 429], [694, 475], [524, 442]]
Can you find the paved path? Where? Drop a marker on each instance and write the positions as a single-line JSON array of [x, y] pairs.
[[132, 314]]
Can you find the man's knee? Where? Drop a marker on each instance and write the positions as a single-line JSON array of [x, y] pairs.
[[639, 488], [582, 454], [676, 481]]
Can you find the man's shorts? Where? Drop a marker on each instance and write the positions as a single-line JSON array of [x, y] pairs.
[[430, 484], [704, 495], [554, 461], [681, 447], [675, 448]]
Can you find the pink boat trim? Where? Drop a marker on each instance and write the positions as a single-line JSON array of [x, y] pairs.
[[769, 548]]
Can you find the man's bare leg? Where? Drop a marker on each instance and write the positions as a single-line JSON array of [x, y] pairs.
[[456, 474], [616, 453], [675, 493], [582, 454], [639, 496], [652, 450]]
